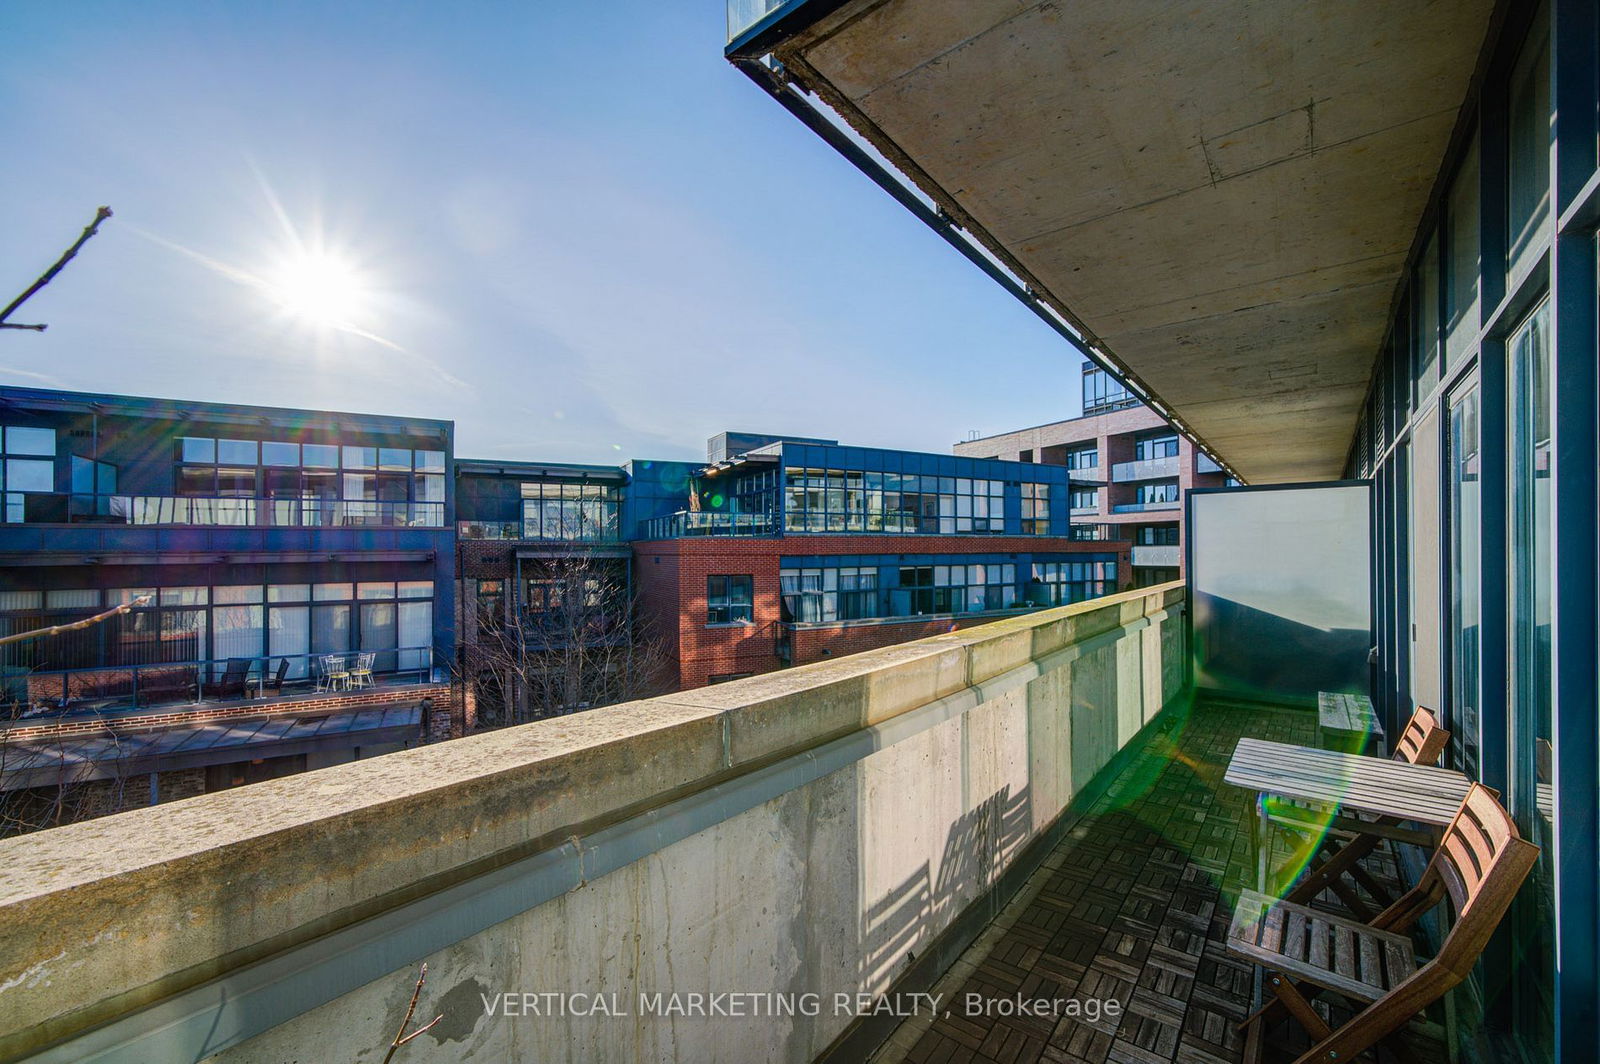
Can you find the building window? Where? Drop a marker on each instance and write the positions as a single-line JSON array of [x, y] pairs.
[[1153, 447], [28, 468], [1035, 509], [1157, 536], [1528, 154], [832, 593], [968, 588], [202, 627], [570, 511], [1161, 492], [1150, 575], [730, 600], [1025, 456], [1062, 583], [308, 485], [1083, 458], [491, 603], [834, 500], [1103, 393], [826, 593], [1084, 499], [1425, 288]]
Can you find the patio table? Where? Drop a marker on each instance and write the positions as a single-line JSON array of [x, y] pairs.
[[1378, 786]]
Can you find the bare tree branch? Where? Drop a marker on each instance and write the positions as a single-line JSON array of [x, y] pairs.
[[401, 1038], [87, 622], [100, 215]]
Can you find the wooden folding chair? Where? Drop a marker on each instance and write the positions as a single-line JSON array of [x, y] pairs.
[[1479, 866], [1342, 843]]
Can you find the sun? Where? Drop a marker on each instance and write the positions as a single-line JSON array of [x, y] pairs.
[[319, 288]]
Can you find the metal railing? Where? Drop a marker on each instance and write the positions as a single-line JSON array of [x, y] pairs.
[[742, 14], [1096, 531], [189, 511], [503, 530], [1146, 469], [1145, 507], [35, 694], [710, 523]]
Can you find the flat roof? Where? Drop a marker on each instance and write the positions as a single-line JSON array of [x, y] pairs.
[[194, 410], [565, 470]]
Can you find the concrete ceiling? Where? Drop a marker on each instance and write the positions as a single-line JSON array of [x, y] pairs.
[[1223, 194]]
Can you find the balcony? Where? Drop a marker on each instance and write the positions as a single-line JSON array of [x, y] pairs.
[[1096, 532], [743, 14], [687, 523], [1166, 556], [899, 793], [110, 692], [183, 511], [1146, 507], [1148, 469], [520, 531]]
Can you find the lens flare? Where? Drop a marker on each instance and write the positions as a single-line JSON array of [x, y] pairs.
[[319, 288]]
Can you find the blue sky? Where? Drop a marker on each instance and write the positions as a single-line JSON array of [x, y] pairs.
[[586, 237]]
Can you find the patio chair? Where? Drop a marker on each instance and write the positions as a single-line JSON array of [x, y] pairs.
[[334, 674], [361, 674], [1339, 843], [1479, 866], [233, 678], [275, 684]]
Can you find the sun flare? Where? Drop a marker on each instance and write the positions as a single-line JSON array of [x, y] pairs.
[[319, 288]]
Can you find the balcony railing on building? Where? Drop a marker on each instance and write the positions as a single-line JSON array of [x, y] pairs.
[[1146, 469], [523, 530], [686, 523], [209, 512], [742, 14], [1145, 507], [42, 693], [1165, 556], [1095, 531]]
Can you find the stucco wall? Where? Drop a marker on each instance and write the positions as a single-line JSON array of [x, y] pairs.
[[898, 784]]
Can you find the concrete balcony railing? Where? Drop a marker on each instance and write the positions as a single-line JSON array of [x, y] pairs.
[[841, 828], [1148, 469], [1156, 555]]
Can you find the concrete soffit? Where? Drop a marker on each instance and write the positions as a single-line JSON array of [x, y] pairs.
[[1315, 381]]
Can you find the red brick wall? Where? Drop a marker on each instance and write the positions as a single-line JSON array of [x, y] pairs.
[[670, 576]]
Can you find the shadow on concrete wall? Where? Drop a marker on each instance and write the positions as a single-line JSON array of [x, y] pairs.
[[975, 850]]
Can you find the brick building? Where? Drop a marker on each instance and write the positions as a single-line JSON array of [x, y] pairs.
[[1135, 471], [797, 551]]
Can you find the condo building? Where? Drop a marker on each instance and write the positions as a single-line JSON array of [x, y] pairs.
[[1132, 468]]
